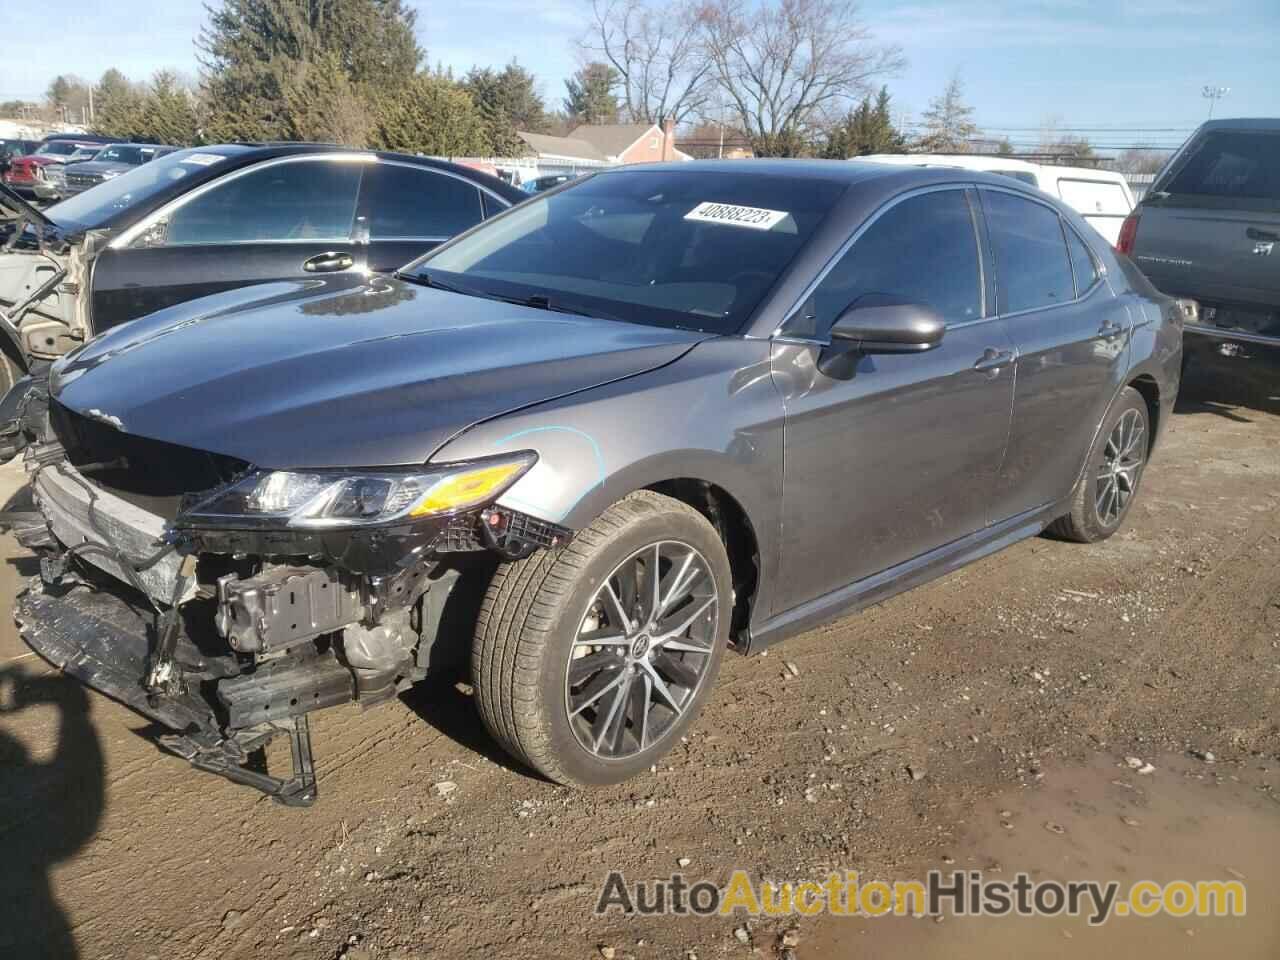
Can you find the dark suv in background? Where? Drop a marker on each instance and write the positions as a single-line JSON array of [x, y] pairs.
[[1209, 229], [109, 162]]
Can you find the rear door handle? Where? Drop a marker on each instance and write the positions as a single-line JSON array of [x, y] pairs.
[[992, 360], [329, 262], [1110, 330]]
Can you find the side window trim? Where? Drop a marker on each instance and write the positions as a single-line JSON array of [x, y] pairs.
[[147, 223], [1098, 270], [794, 309], [983, 188]]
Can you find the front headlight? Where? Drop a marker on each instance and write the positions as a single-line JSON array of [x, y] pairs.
[[324, 499]]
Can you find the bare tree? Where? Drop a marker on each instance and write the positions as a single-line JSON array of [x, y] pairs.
[[1141, 160], [789, 65], [947, 126], [656, 47]]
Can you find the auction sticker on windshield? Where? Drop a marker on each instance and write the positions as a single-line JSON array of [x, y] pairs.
[[204, 159], [754, 218]]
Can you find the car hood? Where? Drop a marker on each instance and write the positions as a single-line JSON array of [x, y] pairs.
[[13, 207], [343, 373]]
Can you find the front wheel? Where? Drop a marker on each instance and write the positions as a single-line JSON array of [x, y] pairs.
[[590, 662], [1105, 491]]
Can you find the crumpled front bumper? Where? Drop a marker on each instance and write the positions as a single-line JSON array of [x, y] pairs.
[[103, 642], [100, 640]]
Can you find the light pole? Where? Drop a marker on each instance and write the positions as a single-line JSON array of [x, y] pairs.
[[1213, 95]]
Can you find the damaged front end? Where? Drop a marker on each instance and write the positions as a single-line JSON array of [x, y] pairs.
[[228, 602]]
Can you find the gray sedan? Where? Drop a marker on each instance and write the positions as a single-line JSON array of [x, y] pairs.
[[592, 444]]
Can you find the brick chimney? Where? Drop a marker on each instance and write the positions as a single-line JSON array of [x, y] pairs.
[[668, 139]]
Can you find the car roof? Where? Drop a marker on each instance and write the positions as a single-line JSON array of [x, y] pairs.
[[884, 178], [836, 170], [1086, 173], [82, 138], [1262, 124], [964, 161], [251, 151]]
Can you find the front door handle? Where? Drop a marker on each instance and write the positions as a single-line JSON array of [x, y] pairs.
[[992, 360], [328, 262]]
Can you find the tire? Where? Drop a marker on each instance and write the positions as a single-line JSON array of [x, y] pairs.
[[535, 675], [1096, 514]]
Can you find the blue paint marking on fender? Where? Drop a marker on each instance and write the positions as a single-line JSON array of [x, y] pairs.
[[595, 447]]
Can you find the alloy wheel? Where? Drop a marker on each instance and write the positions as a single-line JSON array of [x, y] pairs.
[[641, 653], [1121, 464]]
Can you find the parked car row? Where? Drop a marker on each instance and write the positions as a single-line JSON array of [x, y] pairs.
[[40, 174], [195, 222], [590, 443]]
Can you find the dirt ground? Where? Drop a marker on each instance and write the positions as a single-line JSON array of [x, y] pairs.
[[982, 721]]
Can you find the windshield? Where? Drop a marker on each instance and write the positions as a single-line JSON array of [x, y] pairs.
[[118, 154], [1230, 167], [91, 208], [56, 148], [682, 249]]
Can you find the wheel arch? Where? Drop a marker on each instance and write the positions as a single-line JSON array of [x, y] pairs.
[[1149, 387], [736, 531]]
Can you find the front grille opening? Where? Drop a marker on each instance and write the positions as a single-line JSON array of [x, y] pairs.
[[151, 474]]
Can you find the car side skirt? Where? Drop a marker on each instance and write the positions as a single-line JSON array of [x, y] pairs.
[[898, 579]]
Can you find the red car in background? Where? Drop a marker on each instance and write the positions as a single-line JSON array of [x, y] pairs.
[[41, 175]]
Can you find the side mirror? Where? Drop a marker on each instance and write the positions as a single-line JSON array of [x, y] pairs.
[[885, 327]]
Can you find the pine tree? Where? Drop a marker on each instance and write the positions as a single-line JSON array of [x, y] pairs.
[[434, 115], [256, 53], [589, 96], [508, 101], [864, 130]]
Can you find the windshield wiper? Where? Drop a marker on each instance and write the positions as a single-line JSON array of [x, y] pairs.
[[539, 301], [424, 279]]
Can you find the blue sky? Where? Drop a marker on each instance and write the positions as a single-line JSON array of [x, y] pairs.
[[1127, 64]]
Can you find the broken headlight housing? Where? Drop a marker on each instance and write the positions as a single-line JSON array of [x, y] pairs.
[[332, 499]]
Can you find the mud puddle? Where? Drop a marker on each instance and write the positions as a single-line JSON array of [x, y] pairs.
[[1186, 820]]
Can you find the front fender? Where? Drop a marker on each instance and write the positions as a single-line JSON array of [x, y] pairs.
[[713, 415]]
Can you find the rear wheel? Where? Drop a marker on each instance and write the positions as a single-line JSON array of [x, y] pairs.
[[590, 662], [1105, 491]]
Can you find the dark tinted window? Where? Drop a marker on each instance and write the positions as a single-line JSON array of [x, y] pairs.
[[1231, 164], [410, 202], [306, 200], [669, 248], [1082, 262], [1032, 265], [922, 250]]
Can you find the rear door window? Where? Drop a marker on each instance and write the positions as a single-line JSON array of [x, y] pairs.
[[1231, 165], [1033, 268], [300, 200], [406, 202]]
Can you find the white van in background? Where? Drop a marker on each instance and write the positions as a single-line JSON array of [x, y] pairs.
[[1102, 197]]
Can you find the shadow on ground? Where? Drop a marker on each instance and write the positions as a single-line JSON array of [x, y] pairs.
[[48, 810], [1231, 391]]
